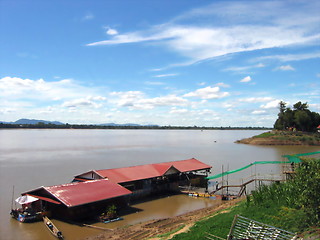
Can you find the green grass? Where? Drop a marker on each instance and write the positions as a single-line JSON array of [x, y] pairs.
[[292, 206], [265, 135], [220, 224], [304, 137]]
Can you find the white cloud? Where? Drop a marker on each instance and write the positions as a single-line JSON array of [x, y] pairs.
[[27, 98], [6, 110], [84, 102], [128, 94], [111, 31], [285, 68], [246, 79], [258, 112], [88, 16], [244, 68], [260, 25], [271, 104], [79, 103], [137, 100], [178, 111], [207, 93], [170, 100], [154, 83], [255, 99], [166, 75], [291, 57], [28, 89], [221, 84]]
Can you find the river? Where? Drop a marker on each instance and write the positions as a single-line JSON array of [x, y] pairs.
[[33, 158]]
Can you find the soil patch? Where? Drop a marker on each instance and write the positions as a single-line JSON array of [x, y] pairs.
[[151, 229]]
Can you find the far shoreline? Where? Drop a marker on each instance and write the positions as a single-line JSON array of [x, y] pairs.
[[111, 127], [276, 137]]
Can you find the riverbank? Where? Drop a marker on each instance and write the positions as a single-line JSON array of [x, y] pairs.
[[163, 228], [283, 138]]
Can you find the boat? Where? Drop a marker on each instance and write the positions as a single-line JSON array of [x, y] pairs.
[[52, 228], [113, 220], [25, 217], [27, 213]]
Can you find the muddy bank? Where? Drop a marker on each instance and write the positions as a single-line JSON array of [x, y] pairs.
[[283, 138], [153, 228]]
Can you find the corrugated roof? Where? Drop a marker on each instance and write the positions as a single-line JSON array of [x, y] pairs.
[[128, 174], [74, 194], [188, 165]]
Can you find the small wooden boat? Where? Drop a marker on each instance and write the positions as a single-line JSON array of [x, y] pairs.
[[52, 228], [113, 220]]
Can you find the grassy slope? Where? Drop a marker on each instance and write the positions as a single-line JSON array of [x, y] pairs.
[[220, 224], [284, 138], [293, 206]]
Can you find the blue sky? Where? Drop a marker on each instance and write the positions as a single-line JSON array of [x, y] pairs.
[[180, 62]]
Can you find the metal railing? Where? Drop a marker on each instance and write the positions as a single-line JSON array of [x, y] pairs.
[[245, 228]]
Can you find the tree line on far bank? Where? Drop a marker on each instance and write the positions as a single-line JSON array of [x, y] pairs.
[[42, 125], [299, 118]]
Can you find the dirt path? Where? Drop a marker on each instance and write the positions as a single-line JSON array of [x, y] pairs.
[[153, 228]]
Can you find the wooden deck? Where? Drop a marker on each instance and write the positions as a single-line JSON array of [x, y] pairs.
[[243, 186]]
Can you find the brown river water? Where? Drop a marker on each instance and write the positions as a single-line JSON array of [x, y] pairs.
[[34, 158]]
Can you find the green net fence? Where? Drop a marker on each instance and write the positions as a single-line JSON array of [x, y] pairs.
[[291, 159]]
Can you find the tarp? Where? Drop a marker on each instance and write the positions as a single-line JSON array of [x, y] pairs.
[[245, 167], [292, 159], [295, 158], [26, 199]]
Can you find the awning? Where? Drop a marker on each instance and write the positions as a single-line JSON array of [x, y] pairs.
[[45, 199], [26, 199]]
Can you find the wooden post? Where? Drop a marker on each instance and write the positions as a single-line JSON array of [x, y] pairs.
[[229, 237], [12, 197]]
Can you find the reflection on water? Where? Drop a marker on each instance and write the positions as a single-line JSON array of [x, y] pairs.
[[32, 158]]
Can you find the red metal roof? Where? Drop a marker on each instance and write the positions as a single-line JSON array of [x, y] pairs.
[[128, 174], [74, 194], [188, 165]]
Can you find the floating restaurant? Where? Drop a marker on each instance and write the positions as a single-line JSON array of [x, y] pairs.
[[91, 192]]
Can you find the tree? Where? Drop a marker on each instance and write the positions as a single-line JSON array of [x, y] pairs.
[[302, 120], [300, 106], [300, 117], [280, 124]]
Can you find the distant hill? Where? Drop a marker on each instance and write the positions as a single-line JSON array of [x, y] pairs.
[[126, 124], [24, 121], [33, 122]]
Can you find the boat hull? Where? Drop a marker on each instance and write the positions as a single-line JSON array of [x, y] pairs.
[[26, 217], [52, 228]]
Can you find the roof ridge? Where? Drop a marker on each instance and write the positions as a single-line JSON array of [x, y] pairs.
[[144, 165]]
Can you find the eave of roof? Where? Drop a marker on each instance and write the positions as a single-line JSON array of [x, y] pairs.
[[45, 199]]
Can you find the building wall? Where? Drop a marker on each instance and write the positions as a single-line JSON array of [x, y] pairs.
[[86, 211]]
